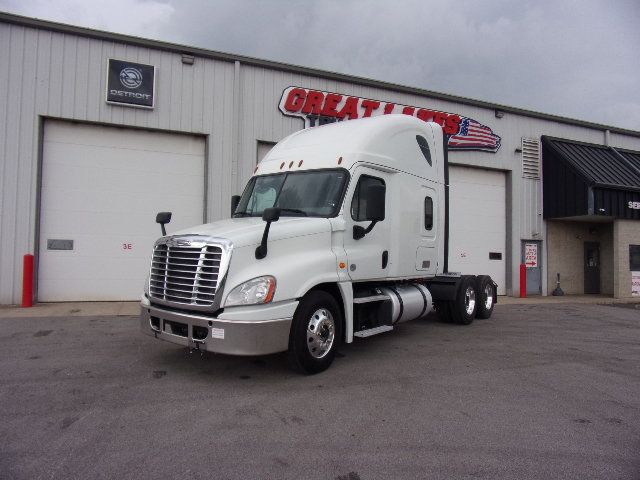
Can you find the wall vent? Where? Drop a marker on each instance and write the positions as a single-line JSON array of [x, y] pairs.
[[530, 158]]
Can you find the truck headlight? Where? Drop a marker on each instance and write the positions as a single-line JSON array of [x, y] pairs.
[[257, 290]]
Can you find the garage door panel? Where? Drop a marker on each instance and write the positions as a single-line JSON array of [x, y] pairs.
[[105, 198], [121, 137], [140, 224], [478, 223], [135, 163], [101, 201], [113, 181]]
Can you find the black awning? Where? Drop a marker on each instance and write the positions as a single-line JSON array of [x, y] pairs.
[[581, 179]]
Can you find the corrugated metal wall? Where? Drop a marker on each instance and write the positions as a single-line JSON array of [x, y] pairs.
[[48, 74], [63, 75]]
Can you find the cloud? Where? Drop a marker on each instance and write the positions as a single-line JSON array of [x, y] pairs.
[[575, 58], [143, 18]]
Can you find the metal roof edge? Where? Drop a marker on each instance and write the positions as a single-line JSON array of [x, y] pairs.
[[550, 138], [549, 142], [202, 52], [594, 183]]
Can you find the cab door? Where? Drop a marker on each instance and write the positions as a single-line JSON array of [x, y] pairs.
[[368, 257]]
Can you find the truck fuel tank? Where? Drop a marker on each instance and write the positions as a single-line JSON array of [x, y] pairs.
[[408, 301]]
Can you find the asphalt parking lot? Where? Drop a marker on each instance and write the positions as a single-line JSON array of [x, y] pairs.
[[537, 391]]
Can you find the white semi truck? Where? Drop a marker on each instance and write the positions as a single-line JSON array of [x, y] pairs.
[[341, 232]]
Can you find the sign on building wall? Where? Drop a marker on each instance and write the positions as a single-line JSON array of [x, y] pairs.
[[130, 83], [635, 284], [318, 107], [531, 255]]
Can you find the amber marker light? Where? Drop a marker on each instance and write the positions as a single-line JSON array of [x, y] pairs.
[[343, 265], [271, 292], [281, 165], [255, 169], [339, 160], [300, 163], [291, 164]]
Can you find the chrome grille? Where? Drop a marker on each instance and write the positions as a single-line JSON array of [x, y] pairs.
[[185, 274]]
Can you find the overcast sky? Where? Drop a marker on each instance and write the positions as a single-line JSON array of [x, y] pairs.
[[575, 58]]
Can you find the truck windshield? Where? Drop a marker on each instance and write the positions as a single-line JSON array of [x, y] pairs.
[[309, 194]]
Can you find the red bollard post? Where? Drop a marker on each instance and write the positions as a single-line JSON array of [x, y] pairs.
[[523, 280], [27, 281]]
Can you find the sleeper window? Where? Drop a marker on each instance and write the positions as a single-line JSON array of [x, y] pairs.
[[428, 213]]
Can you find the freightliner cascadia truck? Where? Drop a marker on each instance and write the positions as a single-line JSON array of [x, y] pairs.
[[341, 232]]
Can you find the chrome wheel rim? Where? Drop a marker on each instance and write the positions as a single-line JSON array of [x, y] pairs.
[[488, 297], [470, 300], [321, 331]]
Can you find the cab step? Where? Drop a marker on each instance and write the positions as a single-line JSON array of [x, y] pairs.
[[370, 298], [373, 331]]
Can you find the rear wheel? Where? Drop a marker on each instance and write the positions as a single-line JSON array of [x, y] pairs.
[[463, 308], [486, 292], [316, 332]]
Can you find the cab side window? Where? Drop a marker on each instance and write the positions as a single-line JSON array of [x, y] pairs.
[[359, 203]]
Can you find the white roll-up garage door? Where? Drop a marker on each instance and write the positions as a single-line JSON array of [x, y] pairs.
[[478, 223], [101, 189]]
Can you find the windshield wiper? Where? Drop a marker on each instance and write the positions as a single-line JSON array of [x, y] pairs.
[[293, 210]]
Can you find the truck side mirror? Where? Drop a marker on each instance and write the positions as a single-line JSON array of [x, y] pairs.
[[163, 218], [235, 200], [268, 215], [374, 197], [271, 214]]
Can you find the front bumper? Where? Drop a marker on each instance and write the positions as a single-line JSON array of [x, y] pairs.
[[254, 330]]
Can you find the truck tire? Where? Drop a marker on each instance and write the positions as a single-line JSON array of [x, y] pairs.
[[463, 308], [316, 332], [486, 292]]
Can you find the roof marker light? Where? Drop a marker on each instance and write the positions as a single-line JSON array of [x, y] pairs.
[[291, 164], [281, 165], [339, 160], [300, 163]]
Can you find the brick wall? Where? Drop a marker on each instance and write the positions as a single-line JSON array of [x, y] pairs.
[[565, 247], [625, 233]]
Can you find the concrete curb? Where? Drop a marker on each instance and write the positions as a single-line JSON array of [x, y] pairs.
[[111, 309], [72, 309]]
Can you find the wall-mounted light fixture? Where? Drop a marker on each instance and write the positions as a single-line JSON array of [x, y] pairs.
[[499, 113], [188, 59], [518, 150]]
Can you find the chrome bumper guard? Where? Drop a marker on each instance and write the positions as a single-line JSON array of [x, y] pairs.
[[233, 337]]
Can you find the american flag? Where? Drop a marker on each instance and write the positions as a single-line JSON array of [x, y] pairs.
[[474, 136]]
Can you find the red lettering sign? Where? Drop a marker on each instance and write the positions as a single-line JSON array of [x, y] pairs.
[[295, 100], [312, 105]]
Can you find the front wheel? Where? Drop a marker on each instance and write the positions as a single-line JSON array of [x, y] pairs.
[[315, 333]]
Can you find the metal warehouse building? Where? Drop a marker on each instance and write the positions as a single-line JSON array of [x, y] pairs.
[[100, 131]]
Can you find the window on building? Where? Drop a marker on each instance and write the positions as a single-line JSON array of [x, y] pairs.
[[359, 203], [634, 258]]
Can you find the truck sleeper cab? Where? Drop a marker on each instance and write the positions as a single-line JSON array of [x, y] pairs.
[[341, 232]]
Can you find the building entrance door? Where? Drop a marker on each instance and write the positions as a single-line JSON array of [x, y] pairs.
[[591, 267], [531, 257]]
